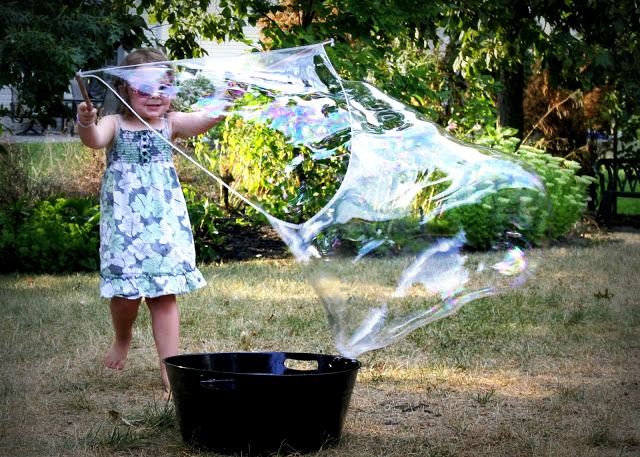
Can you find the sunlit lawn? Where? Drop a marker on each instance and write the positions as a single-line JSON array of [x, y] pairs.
[[549, 369], [629, 206]]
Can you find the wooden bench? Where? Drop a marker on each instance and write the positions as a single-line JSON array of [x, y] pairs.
[[618, 178]]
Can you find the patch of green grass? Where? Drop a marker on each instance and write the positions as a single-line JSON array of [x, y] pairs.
[[43, 169], [529, 372], [47, 158], [628, 206], [625, 205]]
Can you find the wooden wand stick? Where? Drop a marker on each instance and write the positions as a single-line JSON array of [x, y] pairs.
[[83, 91]]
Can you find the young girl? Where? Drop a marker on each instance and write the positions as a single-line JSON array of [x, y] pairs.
[[146, 243]]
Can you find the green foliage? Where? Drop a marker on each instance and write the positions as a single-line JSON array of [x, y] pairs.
[[55, 235], [582, 45], [568, 191], [254, 155], [539, 216], [488, 222], [423, 80], [203, 215], [191, 21], [43, 44], [281, 178], [371, 25], [59, 235], [499, 138], [193, 90]]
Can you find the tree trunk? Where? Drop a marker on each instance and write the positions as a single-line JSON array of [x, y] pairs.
[[511, 99]]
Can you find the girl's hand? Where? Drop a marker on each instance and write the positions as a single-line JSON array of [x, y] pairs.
[[95, 135], [85, 117]]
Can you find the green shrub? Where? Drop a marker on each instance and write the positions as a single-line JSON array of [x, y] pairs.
[[255, 156], [279, 177], [522, 213], [54, 235], [203, 215], [568, 191], [61, 235]]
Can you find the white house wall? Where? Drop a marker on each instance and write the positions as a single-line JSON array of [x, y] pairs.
[[161, 34], [5, 97]]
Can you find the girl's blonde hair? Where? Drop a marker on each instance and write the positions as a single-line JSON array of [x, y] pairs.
[[137, 57]]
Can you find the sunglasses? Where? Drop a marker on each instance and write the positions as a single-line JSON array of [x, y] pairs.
[[145, 90]]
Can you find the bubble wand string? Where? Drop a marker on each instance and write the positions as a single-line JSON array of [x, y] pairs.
[[280, 225], [269, 217]]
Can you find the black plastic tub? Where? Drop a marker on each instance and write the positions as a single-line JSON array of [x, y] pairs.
[[258, 403]]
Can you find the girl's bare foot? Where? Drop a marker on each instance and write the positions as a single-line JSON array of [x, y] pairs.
[[165, 379], [116, 356]]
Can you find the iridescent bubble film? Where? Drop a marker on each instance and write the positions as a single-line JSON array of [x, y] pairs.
[[395, 223]]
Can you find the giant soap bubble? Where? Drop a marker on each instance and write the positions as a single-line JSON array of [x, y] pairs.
[[395, 223]]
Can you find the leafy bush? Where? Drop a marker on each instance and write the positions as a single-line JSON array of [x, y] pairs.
[[495, 220], [568, 191], [54, 235], [255, 156], [61, 235], [274, 173], [203, 215]]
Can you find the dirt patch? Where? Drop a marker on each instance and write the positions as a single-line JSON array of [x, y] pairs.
[[249, 242]]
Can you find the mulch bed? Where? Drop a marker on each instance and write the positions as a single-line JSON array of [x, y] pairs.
[[252, 241], [262, 241]]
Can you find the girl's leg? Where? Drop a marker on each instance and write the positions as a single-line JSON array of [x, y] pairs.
[[165, 323], [123, 314]]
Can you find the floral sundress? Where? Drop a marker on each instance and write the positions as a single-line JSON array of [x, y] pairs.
[[146, 242]]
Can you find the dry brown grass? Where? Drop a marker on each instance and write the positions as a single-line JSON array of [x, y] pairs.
[[552, 369], [39, 170]]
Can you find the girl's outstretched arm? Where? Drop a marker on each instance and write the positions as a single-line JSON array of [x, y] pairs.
[[95, 136], [185, 125]]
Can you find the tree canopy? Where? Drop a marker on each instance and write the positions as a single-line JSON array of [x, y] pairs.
[[581, 45], [43, 44]]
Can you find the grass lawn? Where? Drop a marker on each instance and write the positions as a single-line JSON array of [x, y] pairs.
[[42, 169], [550, 369], [630, 206], [627, 206]]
